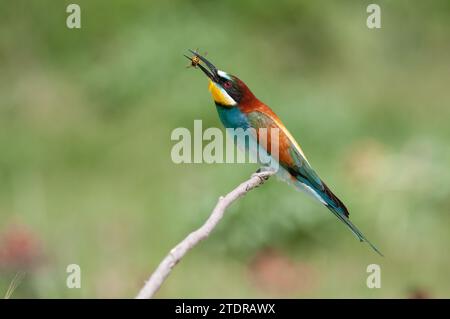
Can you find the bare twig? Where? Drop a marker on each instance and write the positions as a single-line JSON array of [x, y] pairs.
[[178, 252]]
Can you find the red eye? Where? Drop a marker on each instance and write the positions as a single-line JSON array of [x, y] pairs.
[[227, 85]]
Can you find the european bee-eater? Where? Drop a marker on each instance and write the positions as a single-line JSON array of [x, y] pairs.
[[239, 108]]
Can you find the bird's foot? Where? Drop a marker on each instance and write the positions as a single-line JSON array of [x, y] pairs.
[[263, 169]]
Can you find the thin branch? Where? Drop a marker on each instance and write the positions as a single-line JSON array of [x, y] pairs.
[[178, 252]]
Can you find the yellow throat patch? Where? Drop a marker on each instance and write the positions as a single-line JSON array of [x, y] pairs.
[[219, 95]]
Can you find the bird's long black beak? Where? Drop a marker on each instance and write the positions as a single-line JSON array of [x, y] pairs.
[[212, 72]]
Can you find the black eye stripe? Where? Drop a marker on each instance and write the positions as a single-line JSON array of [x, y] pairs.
[[227, 84], [231, 87]]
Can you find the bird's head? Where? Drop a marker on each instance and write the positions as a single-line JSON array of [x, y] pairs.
[[226, 89]]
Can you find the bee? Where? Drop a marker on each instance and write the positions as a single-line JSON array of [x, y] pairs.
[[195, 60]]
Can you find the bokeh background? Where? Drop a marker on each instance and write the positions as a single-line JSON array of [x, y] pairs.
[[86, 175]]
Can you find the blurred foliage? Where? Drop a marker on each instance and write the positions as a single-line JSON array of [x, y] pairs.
[[85, 123]]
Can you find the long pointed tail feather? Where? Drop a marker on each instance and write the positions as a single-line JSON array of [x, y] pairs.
[[353, 228], [323, 193], [335, 205]]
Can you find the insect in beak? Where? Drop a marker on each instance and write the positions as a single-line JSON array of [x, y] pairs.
[[195, 62]]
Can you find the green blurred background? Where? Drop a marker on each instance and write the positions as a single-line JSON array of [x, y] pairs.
[[85, 167]]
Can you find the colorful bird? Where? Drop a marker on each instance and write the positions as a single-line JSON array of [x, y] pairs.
[[239, 108]]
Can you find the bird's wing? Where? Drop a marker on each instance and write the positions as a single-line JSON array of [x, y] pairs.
[[290, 155], [292, 158]]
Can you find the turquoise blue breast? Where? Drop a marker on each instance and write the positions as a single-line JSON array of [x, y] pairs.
[[232, 117]]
